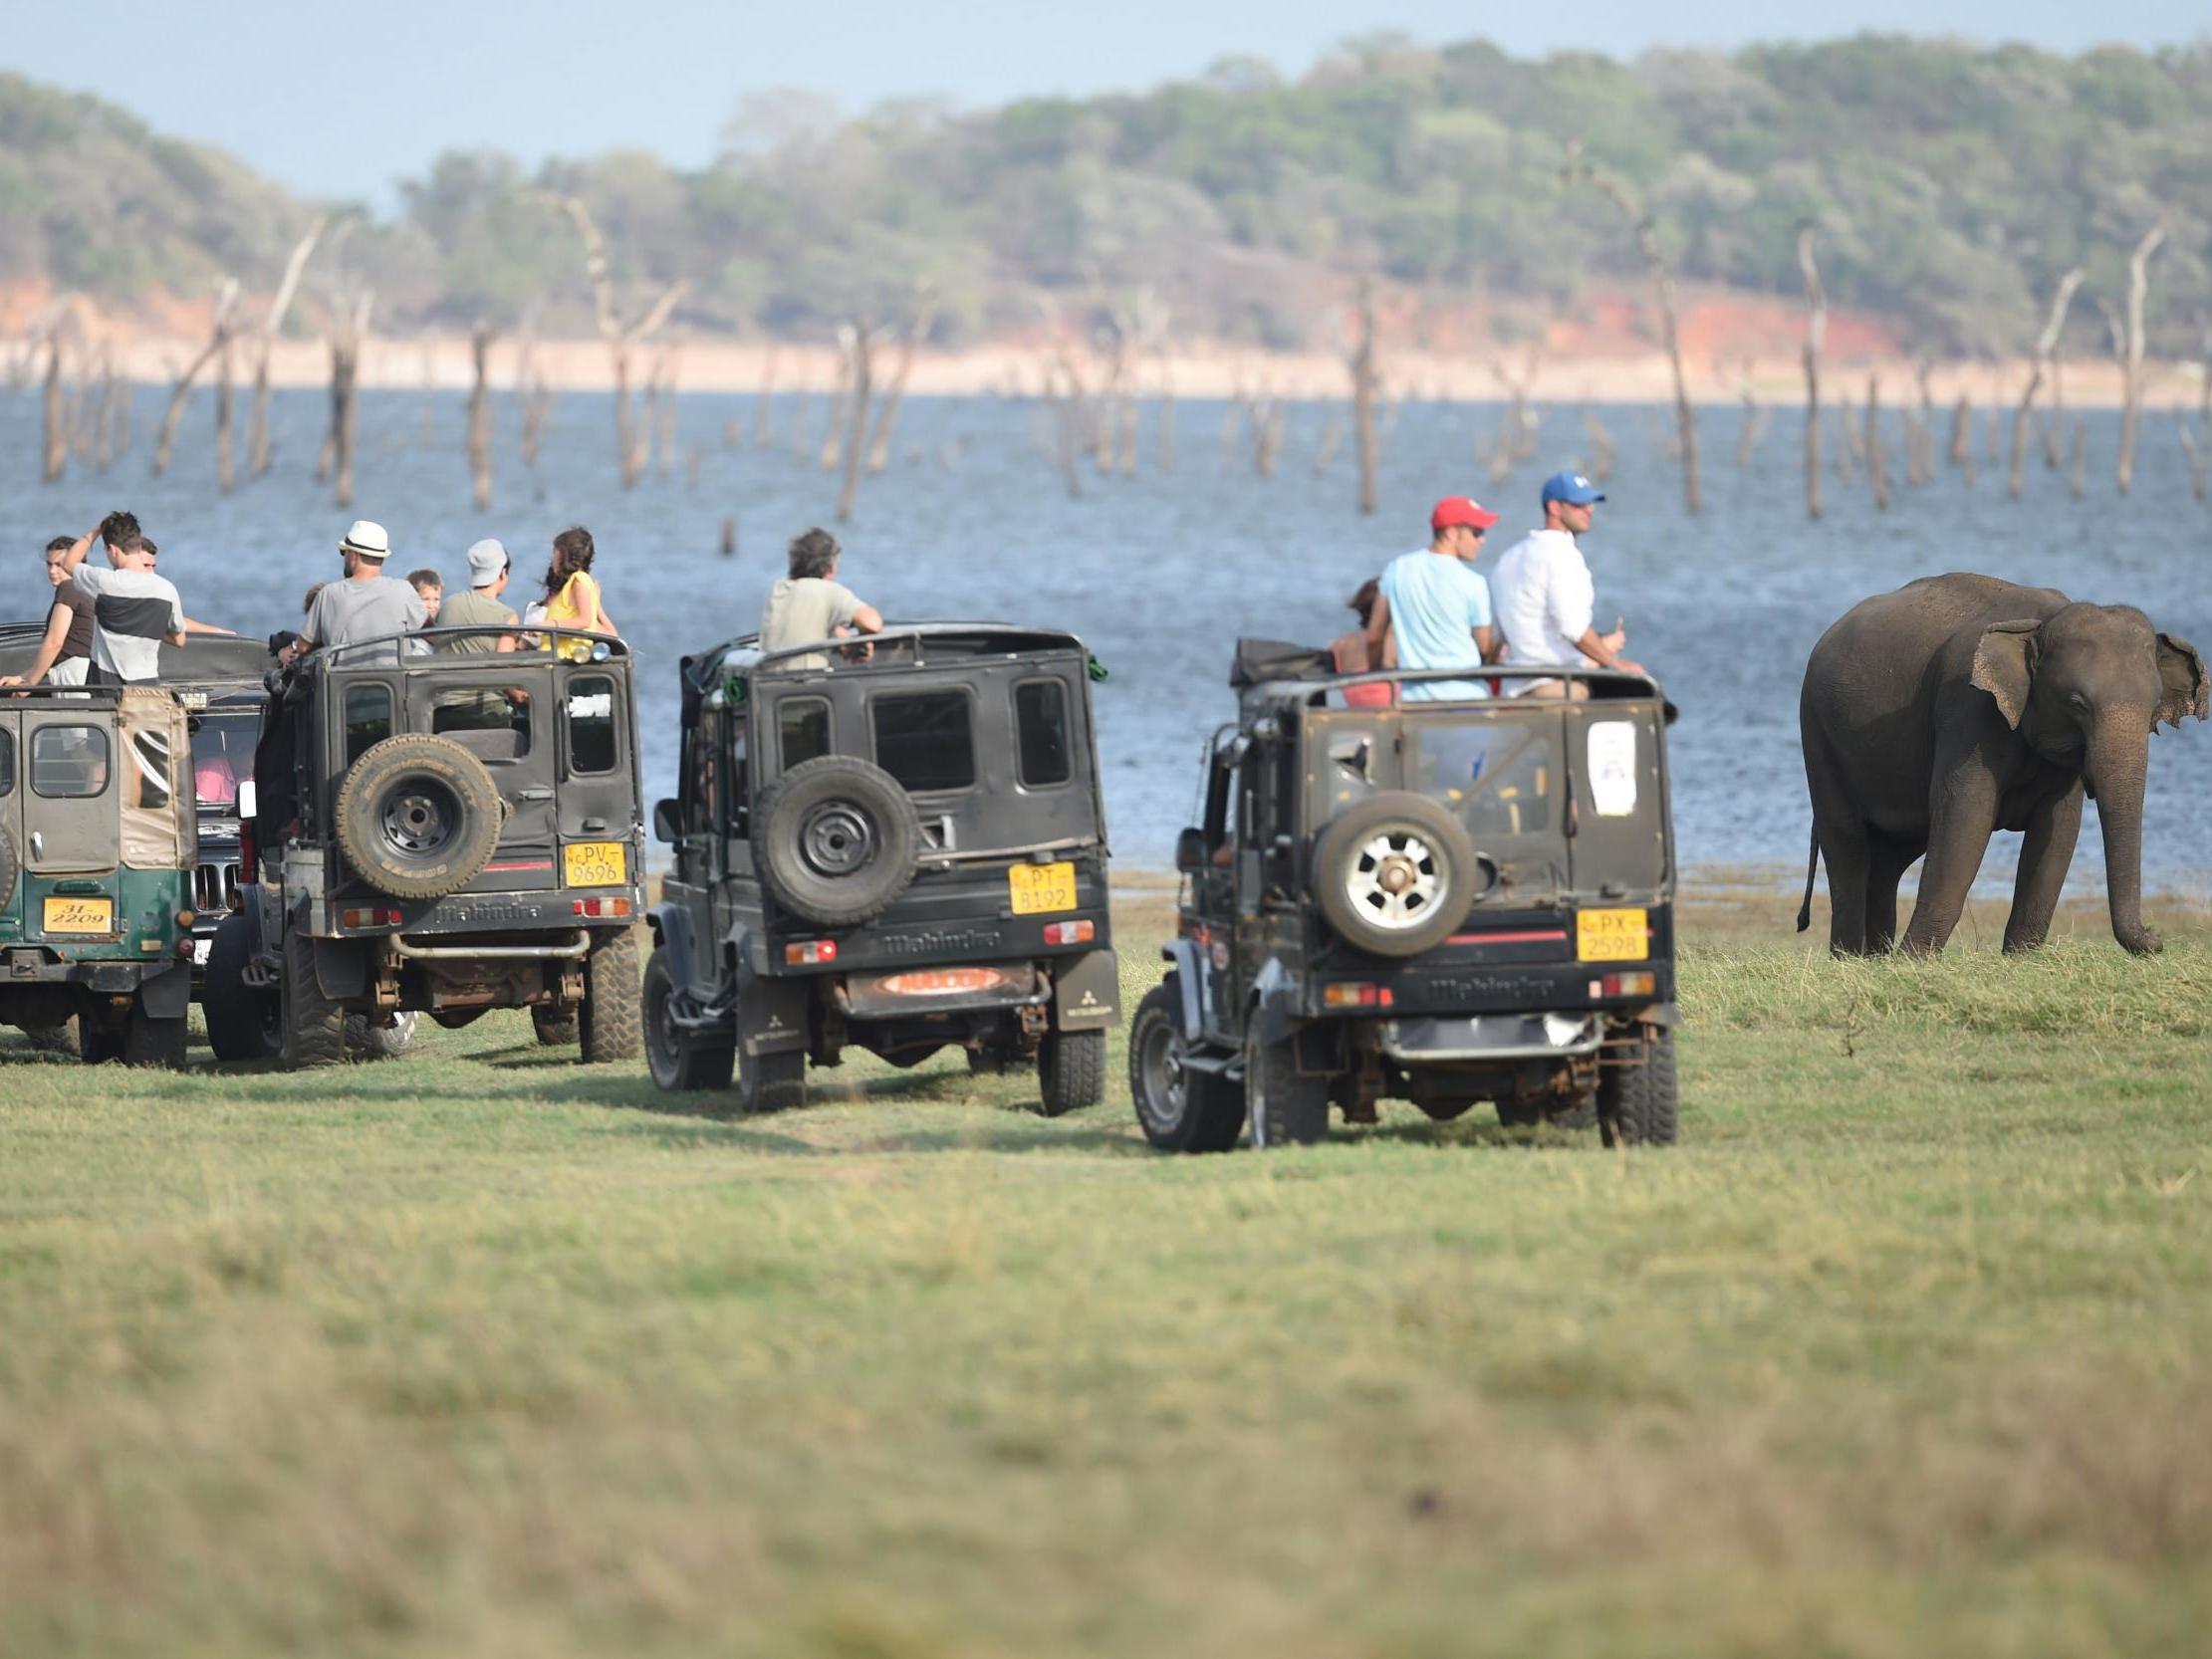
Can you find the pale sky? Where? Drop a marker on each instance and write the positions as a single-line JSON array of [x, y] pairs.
[[342, 99]]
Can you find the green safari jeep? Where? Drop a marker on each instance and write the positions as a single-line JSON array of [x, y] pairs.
[[97, 850]]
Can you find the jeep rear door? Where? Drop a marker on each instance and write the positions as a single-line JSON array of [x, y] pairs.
[[70, 838], [518, 739]]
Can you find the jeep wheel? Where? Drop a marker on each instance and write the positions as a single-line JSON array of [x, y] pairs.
[[151, 1042], [366, 1041], [836, 839], [1396, 875], [418, 817], [608, 1026], [243, 1020], [771, 1083], [1284, 1109], [679, 1063], [11, 866], [1070, 1071], [1178, 1108], [1637, 1104], [313, 1027], [555, 1029], [100, 1037]]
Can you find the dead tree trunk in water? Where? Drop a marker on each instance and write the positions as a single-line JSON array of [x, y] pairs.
[[257, 419], [2131, 359], [2044, 367], [856, 434], [1816, 334], [620, 337], [54, 447], [481, 341], [1962, 438], [1648, 242], [1877, 465], [349, 329], [226, 302], [1364, 379], [222, 420], [918, 330]]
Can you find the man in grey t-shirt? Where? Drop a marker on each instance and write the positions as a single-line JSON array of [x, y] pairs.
[[133, 610], [811, 603], [367, 604]]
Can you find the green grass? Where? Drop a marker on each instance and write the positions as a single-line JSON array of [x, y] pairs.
[[1907, 1350]]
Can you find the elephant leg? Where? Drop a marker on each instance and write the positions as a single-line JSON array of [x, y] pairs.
[[1888, 859], [2045, 854], [1843, 848], [1962, 817]]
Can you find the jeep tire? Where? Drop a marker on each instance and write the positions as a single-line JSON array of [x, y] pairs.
[[365, 1040], [243, 1022], [1178, 1108], [1396, 875], [1284, 1109], [554, 1028], [153, 1042], [313, 1028], [1637, 1105], [608, 1026], [1070, 1071], [837, 840], [680, 1061], [56, 1040], [418, 817]]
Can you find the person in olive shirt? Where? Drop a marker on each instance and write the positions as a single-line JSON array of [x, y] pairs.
[[480, 607]]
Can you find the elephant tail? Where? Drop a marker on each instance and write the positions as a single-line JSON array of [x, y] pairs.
[[1812, 869]]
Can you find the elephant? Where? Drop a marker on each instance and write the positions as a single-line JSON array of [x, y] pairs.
[[1963, 704]]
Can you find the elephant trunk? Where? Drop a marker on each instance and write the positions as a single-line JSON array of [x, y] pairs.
[[2119, 760]]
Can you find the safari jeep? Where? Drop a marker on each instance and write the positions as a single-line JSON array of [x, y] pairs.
[[1445, 902], [441, 832], [95, 861], [898, 847]]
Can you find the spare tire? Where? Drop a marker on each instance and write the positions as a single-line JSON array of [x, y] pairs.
[[418, 817], [836, 841], [11, 866], [1396, 875]]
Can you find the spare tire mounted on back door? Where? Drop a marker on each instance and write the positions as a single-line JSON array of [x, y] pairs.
[[837, 840], [1395, 873], [419, 816]]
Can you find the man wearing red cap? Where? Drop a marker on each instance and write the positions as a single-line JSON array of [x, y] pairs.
[[1434, 605]]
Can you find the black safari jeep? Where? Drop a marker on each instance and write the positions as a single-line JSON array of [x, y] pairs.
[[898, 847], [1441, 901], [438, 830], [96, 864]]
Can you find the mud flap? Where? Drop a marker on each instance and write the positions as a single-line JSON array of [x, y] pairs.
[[341, 968], [1188, 958], [167, 994], [771, 1013], [671, 926], [1086, 992], [1275, 994]]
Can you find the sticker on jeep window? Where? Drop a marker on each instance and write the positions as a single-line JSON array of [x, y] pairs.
[[1612, 766]]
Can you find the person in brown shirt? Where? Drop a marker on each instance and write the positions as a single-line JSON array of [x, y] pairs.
[[67, 650]]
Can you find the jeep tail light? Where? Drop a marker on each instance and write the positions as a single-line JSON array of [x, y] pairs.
[[1071, 933], [930, 982], [248, 869], [1356, 994], [375, 916], [1625, 985], [184, 947], [599, 908], [809, 953]]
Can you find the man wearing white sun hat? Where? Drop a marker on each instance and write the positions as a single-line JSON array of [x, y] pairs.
[[367, 604]]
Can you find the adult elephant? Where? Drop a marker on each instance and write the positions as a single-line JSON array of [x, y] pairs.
[[1960, 705]]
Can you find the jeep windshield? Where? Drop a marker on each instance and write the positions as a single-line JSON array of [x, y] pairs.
[[222, 755]]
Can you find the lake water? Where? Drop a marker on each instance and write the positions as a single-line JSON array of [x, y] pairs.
[[1159, 572]]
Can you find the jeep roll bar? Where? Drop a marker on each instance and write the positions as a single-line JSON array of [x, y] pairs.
[[336, 656], [982, 639]]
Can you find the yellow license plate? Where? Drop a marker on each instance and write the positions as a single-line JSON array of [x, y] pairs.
[[1039, 887], [79, 915], [595, 865], [1612, 935]]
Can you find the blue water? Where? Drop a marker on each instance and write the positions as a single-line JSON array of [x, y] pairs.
[[1161, 572]]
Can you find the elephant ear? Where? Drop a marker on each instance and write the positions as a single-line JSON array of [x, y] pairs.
[[2003, 663], [2185, 687]]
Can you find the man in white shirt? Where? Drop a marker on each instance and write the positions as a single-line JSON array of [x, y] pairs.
[[1544, 596], [133, 610]]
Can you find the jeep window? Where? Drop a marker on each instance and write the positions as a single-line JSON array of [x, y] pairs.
[[367, 718], [149, 756], [489, 723], [591, 716], [803, 727], [924, 740], [223, 756], [1041, 734], [1496, 774], [68, 762], [7, 763]]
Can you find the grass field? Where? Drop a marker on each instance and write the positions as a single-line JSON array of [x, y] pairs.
[[1907, 1349]]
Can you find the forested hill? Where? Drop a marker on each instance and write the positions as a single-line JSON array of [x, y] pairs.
[[1951, 184]]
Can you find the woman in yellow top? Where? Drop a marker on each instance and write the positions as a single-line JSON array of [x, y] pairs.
[[573, 594]]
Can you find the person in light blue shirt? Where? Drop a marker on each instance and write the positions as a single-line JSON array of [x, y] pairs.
[[1434, 610]]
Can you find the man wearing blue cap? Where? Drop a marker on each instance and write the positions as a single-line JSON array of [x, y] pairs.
[[1545, 598]]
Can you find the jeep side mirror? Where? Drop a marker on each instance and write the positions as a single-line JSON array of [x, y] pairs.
[[245, 798], [667, 821], [1190, 851]]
